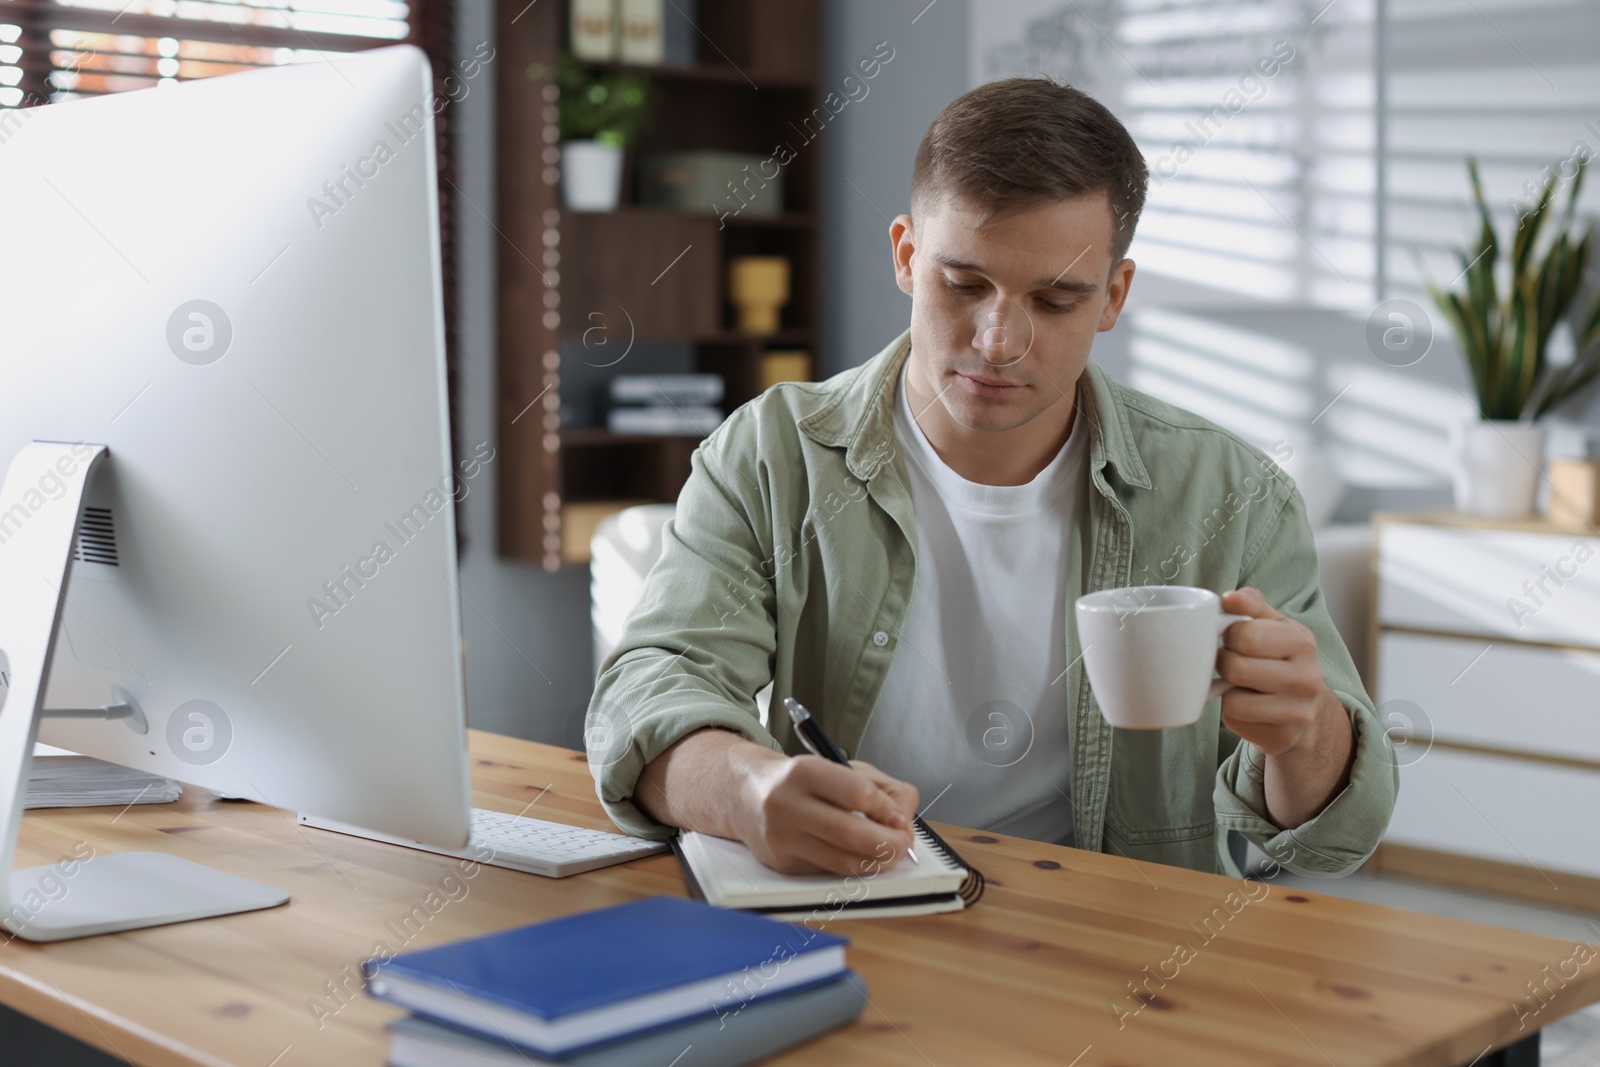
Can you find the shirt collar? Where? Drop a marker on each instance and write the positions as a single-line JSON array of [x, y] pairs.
[[859, 417]]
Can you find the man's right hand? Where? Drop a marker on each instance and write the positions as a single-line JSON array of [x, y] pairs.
[[800, 815], [796, 815]]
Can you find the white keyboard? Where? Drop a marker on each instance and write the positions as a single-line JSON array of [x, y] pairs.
[[534, 846]]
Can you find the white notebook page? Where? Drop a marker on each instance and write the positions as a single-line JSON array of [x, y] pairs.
[[731, 876]]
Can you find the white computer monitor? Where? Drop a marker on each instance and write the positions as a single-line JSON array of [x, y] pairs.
[[233, 286]]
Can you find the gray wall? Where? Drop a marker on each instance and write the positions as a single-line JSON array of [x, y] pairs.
[[868, 151]]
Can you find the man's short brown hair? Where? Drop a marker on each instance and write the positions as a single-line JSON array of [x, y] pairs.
[[1020, 142]]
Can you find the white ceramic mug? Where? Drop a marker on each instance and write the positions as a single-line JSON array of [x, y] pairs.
[[1151, 652]]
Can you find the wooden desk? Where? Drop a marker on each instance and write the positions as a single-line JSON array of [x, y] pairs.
[[1029, 976]]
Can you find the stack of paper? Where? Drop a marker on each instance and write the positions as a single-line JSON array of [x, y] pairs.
[[62, 779]]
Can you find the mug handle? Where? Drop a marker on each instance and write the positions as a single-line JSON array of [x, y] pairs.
[[1225, 620]]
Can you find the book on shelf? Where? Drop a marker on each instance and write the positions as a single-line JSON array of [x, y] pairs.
[[641, 34], [667, 389], [594, 29], [695, 420]]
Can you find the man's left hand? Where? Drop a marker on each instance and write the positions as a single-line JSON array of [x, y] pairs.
[[1284, 706]]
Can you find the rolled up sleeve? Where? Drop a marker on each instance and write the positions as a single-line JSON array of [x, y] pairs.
[[698, 646], [1340, 837]]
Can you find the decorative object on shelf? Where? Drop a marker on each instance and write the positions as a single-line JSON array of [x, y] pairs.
[[1575, 490], [725, 184], [1505, 339], [591, 175], [784, 365], [599, 114], [594, 29], [758, 286], [641, 33]]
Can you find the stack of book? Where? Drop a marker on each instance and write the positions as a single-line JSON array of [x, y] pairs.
[[665, 403], [62, 779], [653, 982]]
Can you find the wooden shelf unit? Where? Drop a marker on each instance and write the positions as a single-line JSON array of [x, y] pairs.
[[573, 281]]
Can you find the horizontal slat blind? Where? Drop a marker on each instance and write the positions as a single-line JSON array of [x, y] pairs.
[[1515, 83], [1255, 118], [53, 51]]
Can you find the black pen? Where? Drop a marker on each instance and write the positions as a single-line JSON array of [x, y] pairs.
[[816, 739]]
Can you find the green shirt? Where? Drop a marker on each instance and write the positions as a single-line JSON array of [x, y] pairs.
[[791, 559]]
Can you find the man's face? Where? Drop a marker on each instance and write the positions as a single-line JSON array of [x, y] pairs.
[[1003, 314]]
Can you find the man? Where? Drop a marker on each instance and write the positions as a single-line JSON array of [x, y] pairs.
[[900, 547]]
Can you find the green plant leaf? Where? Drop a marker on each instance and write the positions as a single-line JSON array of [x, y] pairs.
[[1528, 228], [1509, 362], [601, 102], [1468, 328], [1577, 263], [1477, 196], [1476, 313], [1565, 382], [1469, 334], [1480, 268], [1527, 349], [1568, 381], [1505, 339], [1572, 194], [1549, 281], [1590, 334]]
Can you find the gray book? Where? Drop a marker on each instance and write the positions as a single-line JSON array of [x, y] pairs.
[[738, 1034], [696, 420], [667, 389]]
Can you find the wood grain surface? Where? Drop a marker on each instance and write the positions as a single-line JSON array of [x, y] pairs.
[[1072, 958]]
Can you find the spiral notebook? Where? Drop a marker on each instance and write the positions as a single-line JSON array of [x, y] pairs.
[[726, 874]]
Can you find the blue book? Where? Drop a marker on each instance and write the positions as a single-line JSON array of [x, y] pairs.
[[567, 984]]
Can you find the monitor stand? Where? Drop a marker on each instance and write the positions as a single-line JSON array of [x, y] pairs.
[[109, 892]]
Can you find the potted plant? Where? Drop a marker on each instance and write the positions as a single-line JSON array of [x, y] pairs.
[[1505, 337], [599, 112]]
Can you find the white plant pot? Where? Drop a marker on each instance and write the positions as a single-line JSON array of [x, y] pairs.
[[1497, 465], [591, 175]]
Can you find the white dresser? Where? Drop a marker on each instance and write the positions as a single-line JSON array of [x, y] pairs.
[[1486, 672]]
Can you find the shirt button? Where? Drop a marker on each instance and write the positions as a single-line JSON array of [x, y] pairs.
[[880, 639]]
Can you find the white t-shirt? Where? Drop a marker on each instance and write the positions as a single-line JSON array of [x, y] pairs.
[[974, 709]]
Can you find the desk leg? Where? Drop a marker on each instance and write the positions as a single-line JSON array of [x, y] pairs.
[[1524, 1053]]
